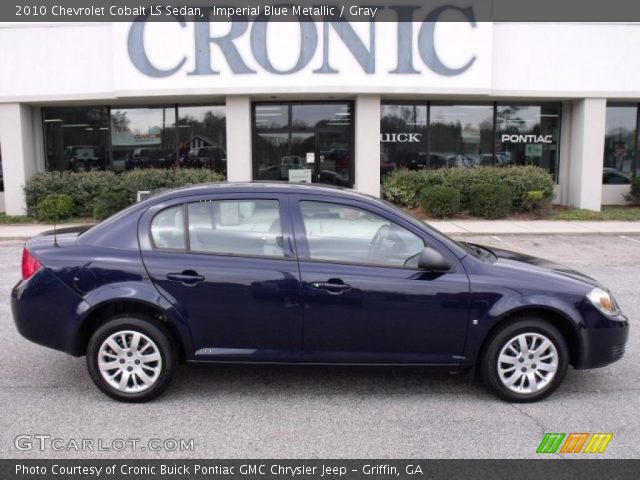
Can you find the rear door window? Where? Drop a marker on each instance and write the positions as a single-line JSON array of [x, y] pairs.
[[236, 227]]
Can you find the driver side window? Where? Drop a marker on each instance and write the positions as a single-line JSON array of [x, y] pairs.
[[346, 234]]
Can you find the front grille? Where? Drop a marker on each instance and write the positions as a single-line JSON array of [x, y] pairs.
[[617, 351]]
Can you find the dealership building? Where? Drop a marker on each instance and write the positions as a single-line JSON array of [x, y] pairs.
[[332, 102]]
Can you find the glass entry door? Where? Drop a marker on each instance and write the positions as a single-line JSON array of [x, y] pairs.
[[303, 142], [333, 158]]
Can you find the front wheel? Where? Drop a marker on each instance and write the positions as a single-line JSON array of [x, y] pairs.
[[130, 359], [525, 360]]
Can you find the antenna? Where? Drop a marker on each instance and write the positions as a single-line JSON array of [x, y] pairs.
[[55, 232]]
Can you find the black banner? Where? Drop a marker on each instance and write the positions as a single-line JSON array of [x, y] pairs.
[[376, 469], [317, 10]]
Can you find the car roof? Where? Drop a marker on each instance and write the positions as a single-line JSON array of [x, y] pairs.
[[263, 187], [120, 231]]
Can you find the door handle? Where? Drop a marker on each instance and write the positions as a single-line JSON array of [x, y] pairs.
[[187, 277], [331, 287]]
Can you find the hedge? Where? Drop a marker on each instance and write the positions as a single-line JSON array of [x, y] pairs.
[[85, 187], [634, 194], [440, 201], [490, 201], [403, 186], [55, 207]]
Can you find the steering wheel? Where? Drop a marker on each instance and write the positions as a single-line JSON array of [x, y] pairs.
[[378, 239]]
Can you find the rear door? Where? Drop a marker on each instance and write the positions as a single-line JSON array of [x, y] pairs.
[[364, 298], [227, 263]]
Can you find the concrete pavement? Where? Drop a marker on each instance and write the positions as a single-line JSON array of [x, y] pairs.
[[450, 227]]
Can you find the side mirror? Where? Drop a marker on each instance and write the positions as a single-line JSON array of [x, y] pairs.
[[433, 261]]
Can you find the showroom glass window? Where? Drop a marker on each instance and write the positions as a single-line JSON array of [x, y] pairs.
[[528, 135], [143, 137], [403, 137], [119, 139], [303, 141], [460, 135], [469, 135], [620, 144], [76, 138], [202, 137]]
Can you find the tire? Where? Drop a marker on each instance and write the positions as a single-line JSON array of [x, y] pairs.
[[519, 378], [131, 374]]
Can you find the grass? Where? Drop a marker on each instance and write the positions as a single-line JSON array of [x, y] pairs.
[[13, 219], [24, 219], [627, 214]]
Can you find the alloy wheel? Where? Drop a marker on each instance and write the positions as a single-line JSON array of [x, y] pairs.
[[527, 363], [129, 361]]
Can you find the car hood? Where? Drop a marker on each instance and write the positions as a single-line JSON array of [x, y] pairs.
[[536, 264]]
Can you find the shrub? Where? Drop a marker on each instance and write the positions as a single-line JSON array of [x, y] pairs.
[[402, 186], [85, 187], [634, 194], [537, 203], [490, 201], [440, 201], [81, 187], [55, 207], [108, 203]]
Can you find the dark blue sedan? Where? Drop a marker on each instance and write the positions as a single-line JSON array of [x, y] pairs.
[[287, 273]]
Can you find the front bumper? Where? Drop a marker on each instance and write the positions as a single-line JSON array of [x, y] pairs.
[[603, 339]]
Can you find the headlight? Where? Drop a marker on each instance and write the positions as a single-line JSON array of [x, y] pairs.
[[603, 301]]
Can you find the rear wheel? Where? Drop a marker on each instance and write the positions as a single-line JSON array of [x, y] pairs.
[[131, 359], [525, 360]]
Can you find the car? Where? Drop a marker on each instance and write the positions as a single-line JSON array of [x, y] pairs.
[[85, 157], [419, 162], [612, 176], [502, 159], [213, 158], [460, 160], [149, 158], [304, 274]]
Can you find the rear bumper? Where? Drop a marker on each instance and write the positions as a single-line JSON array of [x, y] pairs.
[[603, 339], [41, 320]]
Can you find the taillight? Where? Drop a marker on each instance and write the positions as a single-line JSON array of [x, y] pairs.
[[29, 264]]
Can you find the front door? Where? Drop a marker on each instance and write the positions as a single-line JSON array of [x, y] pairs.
[[364, 298], [305, 141], [227, 265]]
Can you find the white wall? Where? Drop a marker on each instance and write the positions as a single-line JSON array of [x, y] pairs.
[[18, 153], [587, 147], [238, 112], [55, 61], [367, 144], [615, 194], [566, 59], [90, 61]]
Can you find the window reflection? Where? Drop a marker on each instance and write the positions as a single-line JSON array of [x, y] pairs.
[[461, 135], [403, 137], [528, 135], [202, 138], [620, 144], [99, 138], [303, 142], [76, 138], [436, 134], [143, 138]]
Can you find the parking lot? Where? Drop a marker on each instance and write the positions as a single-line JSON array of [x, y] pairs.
[[279, 412]]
